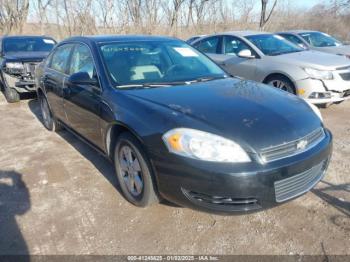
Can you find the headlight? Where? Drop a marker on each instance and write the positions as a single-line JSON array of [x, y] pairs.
[[316, 110], [204, 146], [18, 66], [319, 74]]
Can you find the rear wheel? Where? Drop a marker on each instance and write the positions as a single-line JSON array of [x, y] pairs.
[[134, 172], [48, 120], [326, 105], [281, 82]]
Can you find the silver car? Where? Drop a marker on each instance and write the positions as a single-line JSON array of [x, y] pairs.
[[317, 41], [318, 77]]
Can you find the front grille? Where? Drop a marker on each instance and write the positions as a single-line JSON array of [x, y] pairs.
[[296, 185], [345, 76], [30, 67], [343, 68], [291, 148], [346, 93]]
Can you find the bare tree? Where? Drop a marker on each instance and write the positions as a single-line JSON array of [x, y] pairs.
[[13, 15], [265, 15], [41, 7]]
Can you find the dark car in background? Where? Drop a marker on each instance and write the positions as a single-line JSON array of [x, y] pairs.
[[19, 55], [177, 127], [318, 41]]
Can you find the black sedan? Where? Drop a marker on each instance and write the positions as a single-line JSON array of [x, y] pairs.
[[177, 127]]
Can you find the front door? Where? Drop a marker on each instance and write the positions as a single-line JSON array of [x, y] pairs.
[[232, 63], [82, 101]]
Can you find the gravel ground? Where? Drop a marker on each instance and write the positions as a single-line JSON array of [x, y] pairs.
[[58, 196]]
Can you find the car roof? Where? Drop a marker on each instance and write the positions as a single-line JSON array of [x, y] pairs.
[[117, 38], [245, 33], [297, 31], [24, 36]]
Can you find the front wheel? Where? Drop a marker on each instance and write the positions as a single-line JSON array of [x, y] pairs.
[[134, 172], [49, 122], [11, 95], [282, 83]]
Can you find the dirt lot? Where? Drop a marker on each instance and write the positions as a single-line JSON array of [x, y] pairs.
[[58, 196]]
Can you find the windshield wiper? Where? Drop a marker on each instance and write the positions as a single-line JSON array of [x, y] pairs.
[[207, 78], [145, 85]]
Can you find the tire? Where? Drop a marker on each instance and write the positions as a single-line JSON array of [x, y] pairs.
[[281, 82], [11, 95], [48, 120], [324, 106], [135, 178]]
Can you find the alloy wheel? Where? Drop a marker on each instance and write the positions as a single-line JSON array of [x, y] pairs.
[[281, 85], [131, 171], [45, 111]]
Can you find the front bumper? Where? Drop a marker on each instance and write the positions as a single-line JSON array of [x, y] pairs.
[[228, 188], [338, 90], [20, 84]]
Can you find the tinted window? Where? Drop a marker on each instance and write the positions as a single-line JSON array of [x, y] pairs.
[[156, 62], [82, 61], [319, 39], [233, 45], [209, 45], [60, 58], [272, 45], [28, 44], [294, 39]]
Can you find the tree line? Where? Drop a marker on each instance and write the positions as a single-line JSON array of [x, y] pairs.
[[181, 18]]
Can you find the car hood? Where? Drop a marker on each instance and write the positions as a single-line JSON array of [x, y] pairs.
[[338, 50], [26, 56], [314, 59], [250, 113]]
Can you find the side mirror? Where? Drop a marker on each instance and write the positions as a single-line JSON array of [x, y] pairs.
[[246, 53], [82, 78]]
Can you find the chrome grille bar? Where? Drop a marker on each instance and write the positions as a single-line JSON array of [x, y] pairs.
[[296, 185], [291, 148]]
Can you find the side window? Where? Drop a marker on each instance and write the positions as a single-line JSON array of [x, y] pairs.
[[59, 60], [82, 61], [209, 45], [293, 39], [233, 45]]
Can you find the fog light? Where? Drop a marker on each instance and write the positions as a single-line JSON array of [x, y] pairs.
[[301, 91], [319, 95]]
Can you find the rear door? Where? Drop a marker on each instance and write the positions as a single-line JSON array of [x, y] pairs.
[[54, 79], [82, 102]]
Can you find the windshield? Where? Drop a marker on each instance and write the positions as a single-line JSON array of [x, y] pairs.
[[157, 62], [28, 44], [318, 39], [273, 45]]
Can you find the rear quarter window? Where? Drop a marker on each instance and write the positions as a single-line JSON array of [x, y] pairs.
[[60, 57]]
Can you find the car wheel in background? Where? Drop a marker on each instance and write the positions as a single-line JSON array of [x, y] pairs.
[[326, 105], [48, 120], [282, 83], [11, 95], [134, 172]]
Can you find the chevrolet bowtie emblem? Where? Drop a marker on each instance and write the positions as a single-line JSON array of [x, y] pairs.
[[301, 144]]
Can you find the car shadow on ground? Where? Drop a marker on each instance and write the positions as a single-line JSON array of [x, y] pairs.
[[326, 195], [14, 201], [102, 164]]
